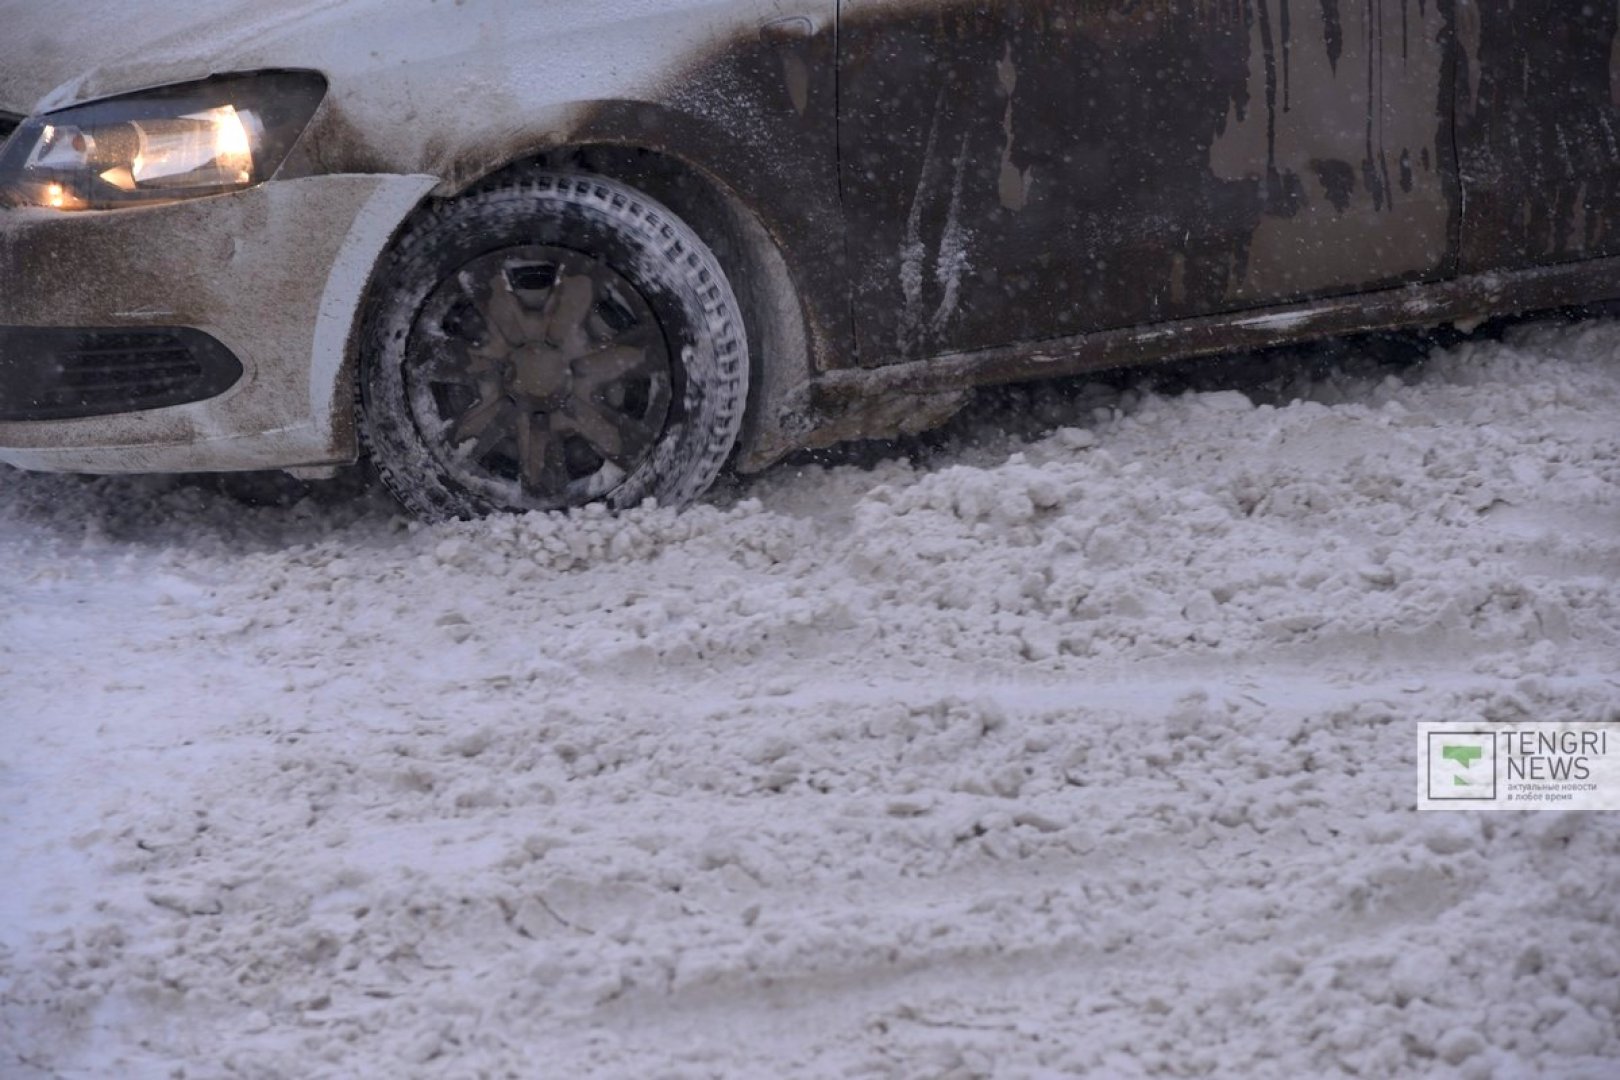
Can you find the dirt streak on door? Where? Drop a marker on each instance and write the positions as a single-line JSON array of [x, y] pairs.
[[1025, 169]]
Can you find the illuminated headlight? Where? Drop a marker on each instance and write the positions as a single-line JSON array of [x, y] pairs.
[[180, 142]]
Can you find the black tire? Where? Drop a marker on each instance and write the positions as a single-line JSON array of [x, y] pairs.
[[546, 342]]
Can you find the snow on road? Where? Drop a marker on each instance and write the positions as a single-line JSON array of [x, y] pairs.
[[1038, 755]]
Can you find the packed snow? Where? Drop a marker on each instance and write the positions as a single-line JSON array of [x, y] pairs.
[[1079, 740]]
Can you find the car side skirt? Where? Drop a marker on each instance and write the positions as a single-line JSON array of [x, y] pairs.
[[1461, 300]]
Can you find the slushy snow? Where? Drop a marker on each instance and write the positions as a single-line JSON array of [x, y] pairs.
[[1079, 742]]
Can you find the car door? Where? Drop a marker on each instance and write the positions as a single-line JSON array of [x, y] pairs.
[[1015, 170], [1538, 132]]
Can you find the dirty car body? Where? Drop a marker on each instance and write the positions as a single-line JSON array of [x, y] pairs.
[[909, 199]]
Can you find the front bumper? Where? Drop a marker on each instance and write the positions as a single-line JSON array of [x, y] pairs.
[[275, 274]]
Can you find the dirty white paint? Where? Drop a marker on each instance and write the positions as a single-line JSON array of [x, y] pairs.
[[443, 59], [278, 305], [338, 316]]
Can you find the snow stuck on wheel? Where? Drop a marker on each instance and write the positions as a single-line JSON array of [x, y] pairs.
[[1088, 750]]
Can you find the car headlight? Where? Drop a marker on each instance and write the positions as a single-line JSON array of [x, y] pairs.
[[179, 142]]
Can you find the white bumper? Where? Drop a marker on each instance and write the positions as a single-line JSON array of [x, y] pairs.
[[277, 274]]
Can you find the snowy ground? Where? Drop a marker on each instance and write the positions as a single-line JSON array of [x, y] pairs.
[[1082, 749]]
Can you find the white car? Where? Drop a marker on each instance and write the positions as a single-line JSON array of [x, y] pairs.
[[532, 255]]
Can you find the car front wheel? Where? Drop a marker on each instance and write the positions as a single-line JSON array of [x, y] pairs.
[[546, 342]]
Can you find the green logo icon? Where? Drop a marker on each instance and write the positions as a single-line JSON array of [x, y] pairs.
[[1464, 756], [1457, 765]]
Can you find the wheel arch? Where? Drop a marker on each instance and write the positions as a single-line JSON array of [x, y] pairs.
[[781, 360], [781, 342]]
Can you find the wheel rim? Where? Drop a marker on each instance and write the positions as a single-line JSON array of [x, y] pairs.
[[539, 376]]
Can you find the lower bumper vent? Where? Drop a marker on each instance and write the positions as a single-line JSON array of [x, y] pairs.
[[61, 374]]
